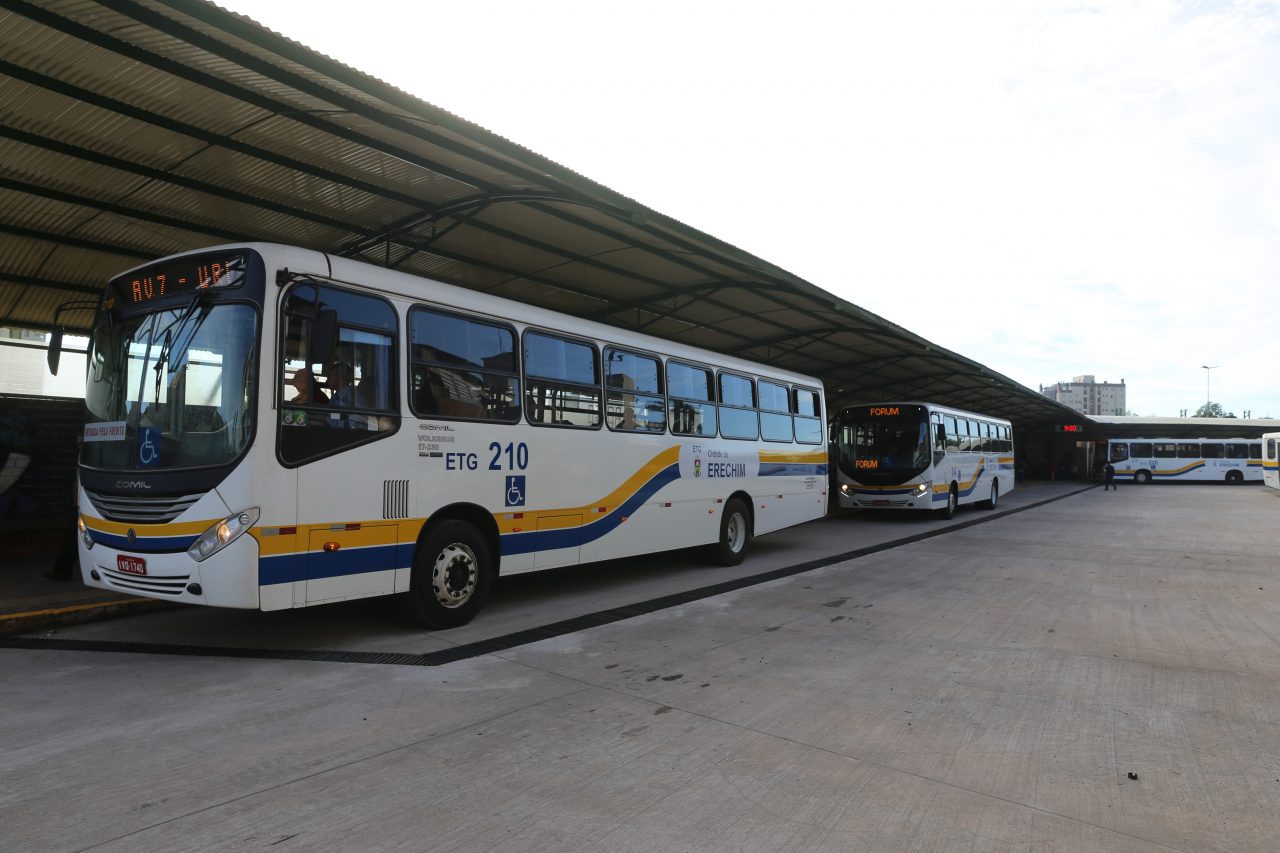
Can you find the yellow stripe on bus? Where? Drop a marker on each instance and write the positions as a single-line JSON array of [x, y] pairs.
[[806, 457]]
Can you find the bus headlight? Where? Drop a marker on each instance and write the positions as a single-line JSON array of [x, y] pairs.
[[922, 490], [223, 534], [85, 536], [844, 487]]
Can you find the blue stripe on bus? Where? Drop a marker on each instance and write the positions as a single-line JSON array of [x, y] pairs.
[[792, 469], [313, 565], [1196, 467], [287, 568], [144, 544], [572, 537]]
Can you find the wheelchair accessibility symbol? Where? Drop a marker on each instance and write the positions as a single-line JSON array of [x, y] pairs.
[[149, 446], [515, 491]]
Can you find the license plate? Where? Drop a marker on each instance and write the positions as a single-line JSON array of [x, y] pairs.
[[880, 503], [131, 565]]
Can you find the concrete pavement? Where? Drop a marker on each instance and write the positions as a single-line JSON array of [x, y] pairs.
[[987, 689]]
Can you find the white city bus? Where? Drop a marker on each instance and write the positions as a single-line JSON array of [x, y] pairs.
[[375, 433], [1169, 460], [1271, 459], [921, 456]]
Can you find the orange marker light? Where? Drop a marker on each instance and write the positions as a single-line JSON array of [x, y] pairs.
[[330, 547]]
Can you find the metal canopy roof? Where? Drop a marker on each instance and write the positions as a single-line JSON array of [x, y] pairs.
[[132, 129]]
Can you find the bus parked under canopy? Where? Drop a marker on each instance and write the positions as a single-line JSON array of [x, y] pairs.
[[272, 427], [1170, 460], [921, 456]]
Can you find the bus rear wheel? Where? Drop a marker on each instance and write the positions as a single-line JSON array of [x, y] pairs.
[[1235, 477], [452, 573], [735, 535]]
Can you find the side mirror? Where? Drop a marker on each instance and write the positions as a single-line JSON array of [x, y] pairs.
[[55, 349]]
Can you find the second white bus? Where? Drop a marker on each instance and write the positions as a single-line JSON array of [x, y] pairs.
[[921, 456]]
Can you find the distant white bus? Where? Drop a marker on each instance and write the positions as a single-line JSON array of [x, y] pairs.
[[1168, 460], [921, 456], [1271, 459]]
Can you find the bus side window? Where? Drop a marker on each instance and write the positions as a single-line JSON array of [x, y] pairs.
[[561, 381], [738, 417], [634, 399], [1119, 451], [339, 366], [1189, 450], [1165, 450], [775, 412], [689, 390], [1237, 451], [1211, 450], [462, 368], [807, 416], [953, 433]]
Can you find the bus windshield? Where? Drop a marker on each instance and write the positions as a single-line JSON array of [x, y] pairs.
[[884, 446], [172, 389]]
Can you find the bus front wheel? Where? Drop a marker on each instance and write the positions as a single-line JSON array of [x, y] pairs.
[[953, 503], [1142, 477], [995, 496], [452, 573], [735, 535]]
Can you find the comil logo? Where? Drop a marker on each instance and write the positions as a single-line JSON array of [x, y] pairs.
[[132, 484]]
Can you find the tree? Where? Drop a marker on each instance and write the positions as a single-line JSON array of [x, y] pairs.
[[1213, 410]]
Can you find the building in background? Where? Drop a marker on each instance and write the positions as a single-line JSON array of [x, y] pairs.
[[1086, 395]]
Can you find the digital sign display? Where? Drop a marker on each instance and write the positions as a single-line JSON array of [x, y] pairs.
[[1070, 428], [870, 464], [882, 410], [185, 276]]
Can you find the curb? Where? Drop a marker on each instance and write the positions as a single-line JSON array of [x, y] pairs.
[[29, 621]]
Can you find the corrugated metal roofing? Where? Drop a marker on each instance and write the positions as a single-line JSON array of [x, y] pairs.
[[131, 129]]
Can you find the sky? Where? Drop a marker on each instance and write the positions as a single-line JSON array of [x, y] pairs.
[[1049, 188]]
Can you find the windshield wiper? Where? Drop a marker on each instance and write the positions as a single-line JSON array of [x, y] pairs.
[[177, 327]]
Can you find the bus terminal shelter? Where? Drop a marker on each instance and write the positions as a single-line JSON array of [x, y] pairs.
[[140, 128]]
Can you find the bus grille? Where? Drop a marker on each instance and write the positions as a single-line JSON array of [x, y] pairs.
[[395, 498], [166, 585], [141, 510]]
